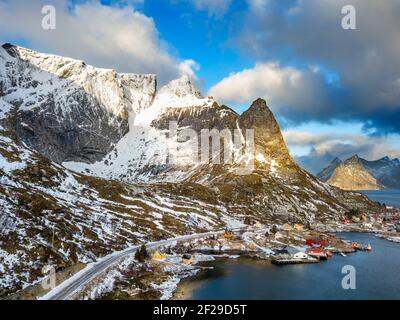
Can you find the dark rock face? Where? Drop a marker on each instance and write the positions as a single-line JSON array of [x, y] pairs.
[[86, 135], [198, 118], [385, 170], [268, 140]]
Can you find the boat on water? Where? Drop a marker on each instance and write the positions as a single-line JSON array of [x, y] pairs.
[[358, 246], [329, 254]]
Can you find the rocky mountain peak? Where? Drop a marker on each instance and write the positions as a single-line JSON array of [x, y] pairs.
[[64, 108], [180, 93], [352, 175], [181, 87], [386, 160], [354, 159], [10, 48], [383, 172], [336, 160], [270, 147], [260, 115]]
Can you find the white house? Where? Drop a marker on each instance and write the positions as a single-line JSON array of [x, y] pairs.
[[297, 253], [300, 255]]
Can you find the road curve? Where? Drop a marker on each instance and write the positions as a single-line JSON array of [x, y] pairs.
[[68, 288]]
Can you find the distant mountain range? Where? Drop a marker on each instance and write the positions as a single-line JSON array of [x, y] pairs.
[[357, 173]]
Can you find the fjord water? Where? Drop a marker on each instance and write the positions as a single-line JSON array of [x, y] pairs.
[[377, 276], [390, 197]]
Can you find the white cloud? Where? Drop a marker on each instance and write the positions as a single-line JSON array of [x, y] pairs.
[[286, 89], [366, 60], [189, 68], [321, 149], [345, 145], [116, 37], [215, 8]]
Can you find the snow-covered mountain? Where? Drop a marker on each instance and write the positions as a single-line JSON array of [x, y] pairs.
[[357, 173], [66, 109], [385, 170], [85, 157]]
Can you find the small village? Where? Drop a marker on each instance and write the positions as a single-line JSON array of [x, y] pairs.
[[155, 273], [286, 244], [278, 244], [290, 243]]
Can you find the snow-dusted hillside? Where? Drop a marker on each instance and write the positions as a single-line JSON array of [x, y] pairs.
[[142, 155], [87, 217]]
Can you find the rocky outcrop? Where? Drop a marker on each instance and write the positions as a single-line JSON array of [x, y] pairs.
[[270, 147]]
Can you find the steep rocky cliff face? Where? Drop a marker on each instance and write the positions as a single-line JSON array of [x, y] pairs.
[[270, 148]]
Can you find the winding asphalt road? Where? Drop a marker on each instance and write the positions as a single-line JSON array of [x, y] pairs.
[[71, 286]]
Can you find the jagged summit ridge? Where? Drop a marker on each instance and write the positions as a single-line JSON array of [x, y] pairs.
[[181, 87], [179, 93], [88, 109], [116, 92]]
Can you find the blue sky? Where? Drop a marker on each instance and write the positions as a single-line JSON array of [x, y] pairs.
[[197, 35], [319, 79]]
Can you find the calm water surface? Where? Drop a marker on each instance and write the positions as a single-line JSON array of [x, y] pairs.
[[390, 197], [377, 276]]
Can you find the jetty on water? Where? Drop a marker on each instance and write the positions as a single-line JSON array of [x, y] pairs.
[[293, 261]]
